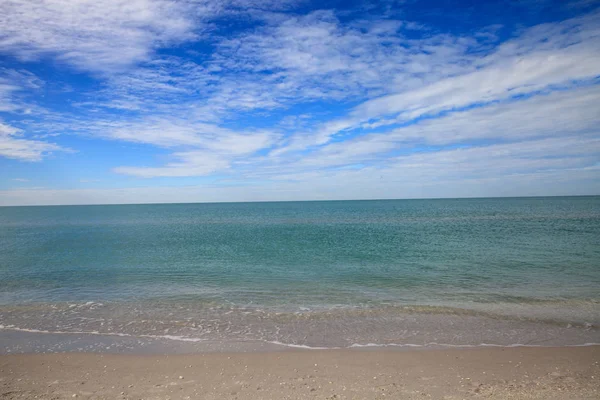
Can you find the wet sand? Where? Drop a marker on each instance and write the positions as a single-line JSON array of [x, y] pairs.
[[494, 373]]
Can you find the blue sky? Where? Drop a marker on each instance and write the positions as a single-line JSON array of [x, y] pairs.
[[134, 101]]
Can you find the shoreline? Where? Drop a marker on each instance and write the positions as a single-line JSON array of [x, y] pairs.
[[110, 328], [32, 341], [485, 372]]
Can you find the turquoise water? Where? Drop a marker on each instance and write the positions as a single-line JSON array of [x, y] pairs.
[[308, 273]]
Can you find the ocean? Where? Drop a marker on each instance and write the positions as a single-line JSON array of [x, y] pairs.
[[322, 274]]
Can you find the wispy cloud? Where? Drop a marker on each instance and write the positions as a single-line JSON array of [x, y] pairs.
[[99, 36], [316, 56], [12, 146], [499, 134], [16, 90], [549, 57], [15, 87], [209, 148]]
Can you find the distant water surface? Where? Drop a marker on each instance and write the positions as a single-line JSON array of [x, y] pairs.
[[319, 274]]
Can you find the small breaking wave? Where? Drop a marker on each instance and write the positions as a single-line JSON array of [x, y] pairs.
[[177, 338], [118, 334]]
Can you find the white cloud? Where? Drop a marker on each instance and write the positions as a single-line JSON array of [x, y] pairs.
[[543, 58], [191, 163], [163, 85], [173, 133], [6, 101], [14, 84], [92, 35], [507, 78], [501, 160], [12, 146], [559, 115], [315, 56], [209, 148], [15, 88]]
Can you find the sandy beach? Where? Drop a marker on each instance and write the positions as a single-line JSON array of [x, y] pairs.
[[494, 373]]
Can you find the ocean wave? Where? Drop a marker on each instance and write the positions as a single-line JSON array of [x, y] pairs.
[[118, 334], [575, 313]]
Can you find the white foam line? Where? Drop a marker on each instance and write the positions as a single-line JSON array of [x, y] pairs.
[[358, 345], [431, 344], [169, 337], [299, 346]]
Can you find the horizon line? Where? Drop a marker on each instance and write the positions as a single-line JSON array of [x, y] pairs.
[[302, 201]]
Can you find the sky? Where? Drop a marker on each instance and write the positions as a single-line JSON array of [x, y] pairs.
[[145, 101]]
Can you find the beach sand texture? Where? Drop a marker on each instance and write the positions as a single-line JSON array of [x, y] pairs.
[[487, 373]]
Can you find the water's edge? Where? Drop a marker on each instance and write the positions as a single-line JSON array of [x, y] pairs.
[[93, 327], [24, 341]]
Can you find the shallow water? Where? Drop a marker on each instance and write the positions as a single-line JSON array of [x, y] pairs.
[[317, 274]]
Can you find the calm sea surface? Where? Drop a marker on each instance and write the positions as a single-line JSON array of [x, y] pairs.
[[315, 274]]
